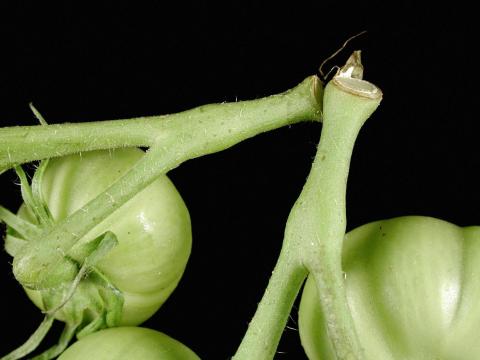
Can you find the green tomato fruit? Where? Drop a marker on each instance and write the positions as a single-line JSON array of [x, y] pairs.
[[153, 231], [128, 343], [413, 285]]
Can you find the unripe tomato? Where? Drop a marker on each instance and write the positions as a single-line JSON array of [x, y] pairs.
[[128, 343], [153, 230], [413, 287]]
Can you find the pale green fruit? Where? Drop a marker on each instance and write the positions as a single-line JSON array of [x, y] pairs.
[[413, 287]]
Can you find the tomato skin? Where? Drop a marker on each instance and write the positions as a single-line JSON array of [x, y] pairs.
[[413, 285], [128, 343], [153, 229]]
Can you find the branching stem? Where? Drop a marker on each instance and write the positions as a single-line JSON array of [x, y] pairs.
[[316, 226], [173, 139]]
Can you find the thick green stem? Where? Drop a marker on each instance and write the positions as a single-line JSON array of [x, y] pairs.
[[190, 134], [22, 144], [316, 227], [237, 120], [323, 214], [266, 328]]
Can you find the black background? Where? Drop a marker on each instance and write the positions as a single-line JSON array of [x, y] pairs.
[[418, 154]]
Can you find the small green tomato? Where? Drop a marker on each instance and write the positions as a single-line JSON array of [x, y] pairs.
[[153, 232], [128, 343], [413, 287]]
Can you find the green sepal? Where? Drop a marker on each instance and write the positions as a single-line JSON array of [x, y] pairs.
[[32, 194], [24, 228], [33, 341], [13, 244], [101, 246], [105, 242], [96, 304], [26, 192], [37, 114], [67, 336], [37, 193], [94, 297], [88, 303]]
